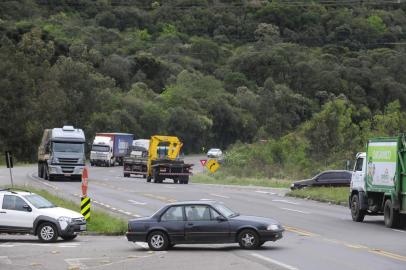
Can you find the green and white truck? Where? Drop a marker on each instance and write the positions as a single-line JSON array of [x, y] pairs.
[[378, 183]]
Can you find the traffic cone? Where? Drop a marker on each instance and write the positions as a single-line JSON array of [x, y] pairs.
[[85, 176]]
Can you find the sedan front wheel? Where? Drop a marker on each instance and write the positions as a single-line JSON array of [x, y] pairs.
[[248, 239]]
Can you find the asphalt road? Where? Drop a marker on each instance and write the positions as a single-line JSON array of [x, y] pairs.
[[318, 236]]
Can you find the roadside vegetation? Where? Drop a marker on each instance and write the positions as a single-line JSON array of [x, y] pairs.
[[310, 81], [224, 179], [335, 195], [100, 221]]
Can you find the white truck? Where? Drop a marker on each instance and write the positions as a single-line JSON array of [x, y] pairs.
[[378, 183], [110, 148], [61, 153]]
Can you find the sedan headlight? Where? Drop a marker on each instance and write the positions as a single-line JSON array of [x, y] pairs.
[[273, 227]]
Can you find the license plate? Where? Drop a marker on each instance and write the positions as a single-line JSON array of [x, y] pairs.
[[67, 174], [83, 227]]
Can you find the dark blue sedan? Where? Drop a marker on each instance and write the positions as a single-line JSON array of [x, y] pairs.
[[202, 222]]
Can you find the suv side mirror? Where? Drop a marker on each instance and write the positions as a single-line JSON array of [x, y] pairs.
[[27, 207]]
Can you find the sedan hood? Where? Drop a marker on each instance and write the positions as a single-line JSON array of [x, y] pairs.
[[263, 220], [302, 182]]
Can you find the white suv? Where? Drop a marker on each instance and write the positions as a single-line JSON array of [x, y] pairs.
[[25, 212]]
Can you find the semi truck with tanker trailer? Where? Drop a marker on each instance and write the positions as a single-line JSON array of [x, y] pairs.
[[378, 183], [61, 153], [110, 148]]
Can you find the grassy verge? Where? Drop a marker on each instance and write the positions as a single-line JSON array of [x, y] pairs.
[[232, 180], [100, 222], [336, 195]]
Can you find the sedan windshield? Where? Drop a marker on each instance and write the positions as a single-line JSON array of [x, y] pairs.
[[225, 211], [38, 201], [68, 147]]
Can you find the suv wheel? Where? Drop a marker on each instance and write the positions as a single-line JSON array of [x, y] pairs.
[[158, 241], [47, 232]]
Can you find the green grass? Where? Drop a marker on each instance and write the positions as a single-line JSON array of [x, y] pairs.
[[336, 195], [100, 222], [240, 181]]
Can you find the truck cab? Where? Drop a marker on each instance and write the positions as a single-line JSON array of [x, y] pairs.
[[102, 152], [358, 174], [61, 153]]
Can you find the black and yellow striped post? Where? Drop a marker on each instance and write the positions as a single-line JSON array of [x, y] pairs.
[[85, 207]]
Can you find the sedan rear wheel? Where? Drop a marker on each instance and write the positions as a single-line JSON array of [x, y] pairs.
[[158, 241], [248, 239]]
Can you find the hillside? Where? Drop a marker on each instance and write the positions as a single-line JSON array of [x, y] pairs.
[[313, 79]]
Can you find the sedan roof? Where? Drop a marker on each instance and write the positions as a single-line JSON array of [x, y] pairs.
[[195, 202]]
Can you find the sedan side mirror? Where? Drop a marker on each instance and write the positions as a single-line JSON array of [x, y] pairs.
[[27, 207], [221, 218]]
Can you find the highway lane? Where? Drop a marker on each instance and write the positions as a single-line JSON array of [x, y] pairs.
[[318, 236]]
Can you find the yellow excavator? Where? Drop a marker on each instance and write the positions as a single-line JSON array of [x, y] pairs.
[[164, 162]]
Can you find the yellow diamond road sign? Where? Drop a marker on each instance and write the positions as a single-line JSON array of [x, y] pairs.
[[212, 165]]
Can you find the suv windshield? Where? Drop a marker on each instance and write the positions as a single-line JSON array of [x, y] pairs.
[[225, 211], [100, 148], [68, 147], [38, 201]]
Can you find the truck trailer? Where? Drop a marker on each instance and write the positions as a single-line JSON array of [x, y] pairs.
[[378, 183], [61, 153], [110, 148]]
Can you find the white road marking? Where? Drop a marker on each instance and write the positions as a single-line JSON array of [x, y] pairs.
[[221, 196], [4, 260], [286, 201], [128, 213], [294, 210], [142, 245], [113, 208], [205, 199], [281, 264], [135, 202], [75, 263], [264, 192], [398, 231]]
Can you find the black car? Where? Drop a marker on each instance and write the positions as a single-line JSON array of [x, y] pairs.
[[327, 178], [202, 222]]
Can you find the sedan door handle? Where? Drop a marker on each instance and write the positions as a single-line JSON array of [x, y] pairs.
[[190, 224]]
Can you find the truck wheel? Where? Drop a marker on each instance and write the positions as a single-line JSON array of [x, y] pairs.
[[126, 175], [391, 216], [40, 170], [356, 213], [47, 232], [149, 179], [175, 181], [46, 173]]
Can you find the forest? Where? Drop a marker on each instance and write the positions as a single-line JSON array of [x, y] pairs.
[[287, 87]]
